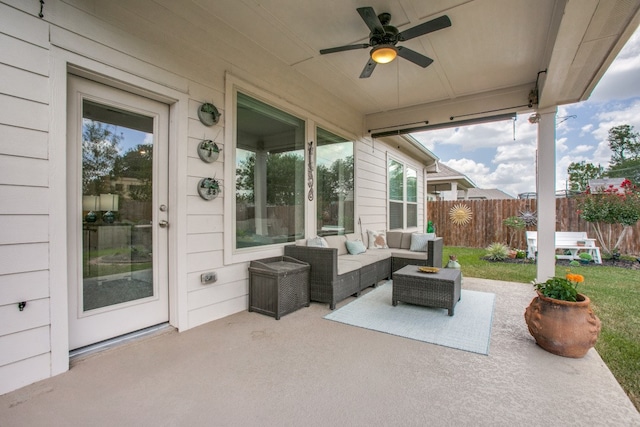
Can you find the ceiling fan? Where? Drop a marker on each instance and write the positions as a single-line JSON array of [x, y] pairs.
[[384, 37]]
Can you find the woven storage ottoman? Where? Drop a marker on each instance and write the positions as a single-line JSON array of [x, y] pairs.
[[441, 289], [278, 285]]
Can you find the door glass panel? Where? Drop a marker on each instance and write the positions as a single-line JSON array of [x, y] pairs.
[[117, 178]]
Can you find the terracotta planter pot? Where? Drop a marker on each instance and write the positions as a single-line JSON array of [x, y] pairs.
[[564, 328]]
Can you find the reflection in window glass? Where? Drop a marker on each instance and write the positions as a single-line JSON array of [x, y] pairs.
[[334, 166], [396, 180], [412, 198], [270, 167]]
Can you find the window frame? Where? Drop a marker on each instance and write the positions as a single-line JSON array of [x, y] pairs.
[[233, 85], [405, 196]]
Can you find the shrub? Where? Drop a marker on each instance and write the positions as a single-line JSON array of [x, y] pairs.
[[497, 252], [606, 207], [585, 256], [574, 263], [564, 289]]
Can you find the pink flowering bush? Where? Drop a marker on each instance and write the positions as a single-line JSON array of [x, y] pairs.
[[606, 207]]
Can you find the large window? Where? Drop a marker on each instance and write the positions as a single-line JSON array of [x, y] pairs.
[[334, 166], [270, 174], [403, 196]]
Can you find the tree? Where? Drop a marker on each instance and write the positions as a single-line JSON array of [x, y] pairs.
[[609, 207], [282, 169], [580, 174], [624, 143], [99, 154], [137, 163]]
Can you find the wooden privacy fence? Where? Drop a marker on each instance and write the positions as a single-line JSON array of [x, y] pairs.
[[485, 226]]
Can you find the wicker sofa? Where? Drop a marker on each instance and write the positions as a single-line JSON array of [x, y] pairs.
[[335, 274]]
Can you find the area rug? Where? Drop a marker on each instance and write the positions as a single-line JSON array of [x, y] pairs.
[[468, 329]]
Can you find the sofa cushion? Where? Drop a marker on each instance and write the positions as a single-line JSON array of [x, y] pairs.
[[377, 239], [318, 242], [406, 240], [346, 266], [394, 238], [338, 243], [406, 253], [419, 242], [355, 247]]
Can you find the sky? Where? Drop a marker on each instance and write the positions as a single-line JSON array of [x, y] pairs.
[[502, 154]]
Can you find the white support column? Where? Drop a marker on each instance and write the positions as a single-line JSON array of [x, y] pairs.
[[546, 186]]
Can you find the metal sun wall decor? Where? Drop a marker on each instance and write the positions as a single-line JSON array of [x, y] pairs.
[[529, 217], [460, 214]]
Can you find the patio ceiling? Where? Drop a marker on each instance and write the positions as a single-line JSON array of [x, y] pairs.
[[487, 60], [485, 64]]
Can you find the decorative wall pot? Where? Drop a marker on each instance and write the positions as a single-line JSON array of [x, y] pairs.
[[564, 328], [208, 151], [208, 114], [208, 188]]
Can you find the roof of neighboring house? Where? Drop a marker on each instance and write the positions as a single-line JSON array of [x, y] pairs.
[[484, 194], [445, 177]]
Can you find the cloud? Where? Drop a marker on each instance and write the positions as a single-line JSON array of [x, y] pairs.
[[621, 79]]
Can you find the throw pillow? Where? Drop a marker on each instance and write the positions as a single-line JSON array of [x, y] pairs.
[[419, 242], [318, 242], [377, 239], [355, 247]]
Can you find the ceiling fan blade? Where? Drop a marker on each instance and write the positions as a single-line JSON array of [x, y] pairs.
[[415, 57], [368, 69], [343, 48], [425, 28], [371, 19]]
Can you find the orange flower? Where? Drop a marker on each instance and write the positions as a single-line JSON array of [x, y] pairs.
[[575, 278]]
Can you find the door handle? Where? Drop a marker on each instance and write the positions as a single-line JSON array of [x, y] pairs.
[[163, 224]]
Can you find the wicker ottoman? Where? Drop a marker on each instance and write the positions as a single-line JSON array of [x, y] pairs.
[[278, 285], [441, 289]]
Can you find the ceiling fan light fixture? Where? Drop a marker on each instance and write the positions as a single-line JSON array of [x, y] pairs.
[[383, 54]]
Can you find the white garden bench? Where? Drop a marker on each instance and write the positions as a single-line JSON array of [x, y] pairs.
[[569, 242]]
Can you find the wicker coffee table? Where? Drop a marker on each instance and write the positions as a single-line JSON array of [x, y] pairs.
[[441, 289]]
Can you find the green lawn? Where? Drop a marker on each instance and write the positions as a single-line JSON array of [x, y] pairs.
[[615, 297]]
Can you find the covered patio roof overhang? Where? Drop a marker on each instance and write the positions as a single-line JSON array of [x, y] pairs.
[[498, 58]]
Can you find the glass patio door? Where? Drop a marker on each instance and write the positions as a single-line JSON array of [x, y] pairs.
[[118, 172]]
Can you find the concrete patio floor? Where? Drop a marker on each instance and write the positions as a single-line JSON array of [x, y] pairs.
[[248, 369]]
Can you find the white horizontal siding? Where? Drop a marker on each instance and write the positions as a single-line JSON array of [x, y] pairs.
[[204, 242], [24, 287], [24, 84], [24, 344], [26, 56], [202, 261], [24, 200], [24, 257], [22, 26], [23, 113], [24, 171], [23, 142], [215, 293], [205, 224], [34, 315], [23, 229], [24, 372], [217, 311], [226, 274], [198, 206]]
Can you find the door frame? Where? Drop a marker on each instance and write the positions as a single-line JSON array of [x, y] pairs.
[[148, 81], [90, 327]]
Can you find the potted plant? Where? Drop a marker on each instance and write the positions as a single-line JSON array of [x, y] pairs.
[[208, 188], [208, 151], [208, 114], [560, 319], [585, 257]]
